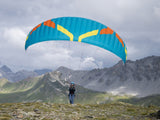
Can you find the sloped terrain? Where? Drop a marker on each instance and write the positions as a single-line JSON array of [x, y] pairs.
[[6, 72], [50, 111], [139, 78], [45, 88], [145, 101], [51, 87]]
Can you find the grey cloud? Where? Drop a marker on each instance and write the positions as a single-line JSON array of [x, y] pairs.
[[136, 21]]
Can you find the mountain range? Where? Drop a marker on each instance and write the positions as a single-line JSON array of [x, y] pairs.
[[45, 88], [6, 72], [138, 78]]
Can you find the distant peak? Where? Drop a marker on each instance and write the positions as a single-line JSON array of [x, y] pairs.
[[42, 71], [5, 68], [3, 81], [62, 68]]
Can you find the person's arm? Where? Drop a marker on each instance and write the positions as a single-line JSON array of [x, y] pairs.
[[74, 89], [69, 91]]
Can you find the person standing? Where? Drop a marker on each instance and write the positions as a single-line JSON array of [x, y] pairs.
[[72, 92]]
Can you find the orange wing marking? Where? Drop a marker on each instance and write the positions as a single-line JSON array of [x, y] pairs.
[[106, 31], [49, 23], [35, 28], [110, 31], [120, 40]]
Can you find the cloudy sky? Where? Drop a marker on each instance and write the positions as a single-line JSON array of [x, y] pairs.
[[136, 21]]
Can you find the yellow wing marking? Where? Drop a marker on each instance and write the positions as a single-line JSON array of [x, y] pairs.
[[126, 52], [65, 31], [27, 37], [88, 34]]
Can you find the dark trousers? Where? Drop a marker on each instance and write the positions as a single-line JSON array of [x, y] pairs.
[[71, 98]]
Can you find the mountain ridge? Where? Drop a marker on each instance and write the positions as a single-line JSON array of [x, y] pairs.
[[138, 78], [45, 88], [143, 74], [6, 72], [123, 80]]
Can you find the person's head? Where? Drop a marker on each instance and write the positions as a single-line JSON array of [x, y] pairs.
[[72, 84]]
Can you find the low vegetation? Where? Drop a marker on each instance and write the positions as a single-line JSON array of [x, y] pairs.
[[50, 111]]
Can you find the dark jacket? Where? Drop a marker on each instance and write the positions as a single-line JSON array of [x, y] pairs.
[[72, 90]]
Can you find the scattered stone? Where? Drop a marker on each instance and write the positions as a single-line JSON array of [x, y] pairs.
[[88, 117], [155, 115], [20, 116], [158, 114], [113, 111], [76, 113], [14, 114], [37, 115], [36, 110]]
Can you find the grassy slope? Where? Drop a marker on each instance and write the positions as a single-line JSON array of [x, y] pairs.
[[3, 81], [50, 111], [149, 100], [42, 89], [24, 85]]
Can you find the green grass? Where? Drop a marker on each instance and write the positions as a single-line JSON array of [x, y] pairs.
[[110, 111], [42, 89], [8, 87], [145, 101]]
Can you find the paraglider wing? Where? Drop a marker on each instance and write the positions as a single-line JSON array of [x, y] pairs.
[[80, 30]]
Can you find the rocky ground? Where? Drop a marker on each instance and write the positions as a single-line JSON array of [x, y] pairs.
[[49, 111]]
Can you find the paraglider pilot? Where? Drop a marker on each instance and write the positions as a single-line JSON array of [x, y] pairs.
[[71, 92]]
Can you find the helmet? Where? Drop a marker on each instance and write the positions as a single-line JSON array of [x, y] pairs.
[[72, 83]]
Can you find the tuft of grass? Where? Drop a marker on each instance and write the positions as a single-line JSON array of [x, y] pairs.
[[131, 110], [109, 111], [5, 118]]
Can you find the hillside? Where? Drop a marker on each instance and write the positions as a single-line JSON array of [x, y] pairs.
[[45, 88], [138, 78], [51, 88], [45, 97], [145, 101], [143, 74]]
